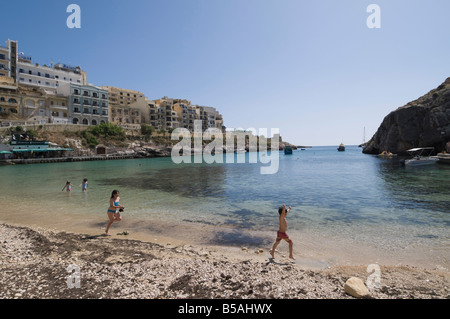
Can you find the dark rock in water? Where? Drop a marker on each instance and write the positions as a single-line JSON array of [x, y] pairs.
[[424, 122]]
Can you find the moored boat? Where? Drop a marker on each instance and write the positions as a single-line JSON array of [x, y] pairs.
[[421, 156], [443, 158], [288, 151]]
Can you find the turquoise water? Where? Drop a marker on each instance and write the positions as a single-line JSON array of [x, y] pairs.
[[337, 194]]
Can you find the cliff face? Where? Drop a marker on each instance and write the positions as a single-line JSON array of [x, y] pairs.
[[422, 123]]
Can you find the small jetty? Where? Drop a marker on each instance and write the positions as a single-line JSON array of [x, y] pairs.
[[67, 159]]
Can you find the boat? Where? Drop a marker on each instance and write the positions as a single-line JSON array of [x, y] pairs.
[[287, 151], [386, 154], [341, 147], [421, 156], [443, 158]]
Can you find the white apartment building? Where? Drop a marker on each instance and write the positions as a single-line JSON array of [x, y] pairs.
[[8, 59], [48, 76], [17, 65]]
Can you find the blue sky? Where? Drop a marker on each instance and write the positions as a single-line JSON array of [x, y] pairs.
[[313, 69]]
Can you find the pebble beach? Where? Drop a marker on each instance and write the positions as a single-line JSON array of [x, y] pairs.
[[35, 264]]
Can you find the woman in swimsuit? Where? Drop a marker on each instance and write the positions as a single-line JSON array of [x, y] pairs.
[[114, 205]]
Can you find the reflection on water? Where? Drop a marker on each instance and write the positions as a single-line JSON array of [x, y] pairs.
[[425, 187]]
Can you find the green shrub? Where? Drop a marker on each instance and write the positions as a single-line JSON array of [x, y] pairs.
[[108, 131], [147, 129], [89, 139]]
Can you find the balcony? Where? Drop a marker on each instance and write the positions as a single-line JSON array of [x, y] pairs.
[[58, 107]]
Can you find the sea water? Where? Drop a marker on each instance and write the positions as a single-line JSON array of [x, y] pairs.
[[346, 196]]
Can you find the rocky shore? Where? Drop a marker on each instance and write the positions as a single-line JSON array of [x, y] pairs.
[[424, 122], [42, 264]]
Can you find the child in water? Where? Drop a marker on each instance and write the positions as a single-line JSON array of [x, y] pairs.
[[68, 186], [84, 185]]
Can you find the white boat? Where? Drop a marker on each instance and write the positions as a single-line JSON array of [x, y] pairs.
[[443, 158], [421, 156]]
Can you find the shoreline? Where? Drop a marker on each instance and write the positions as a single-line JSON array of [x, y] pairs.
[[34, 263], [314, 249]]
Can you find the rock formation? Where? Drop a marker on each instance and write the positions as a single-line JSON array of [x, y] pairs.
[[424, 122]]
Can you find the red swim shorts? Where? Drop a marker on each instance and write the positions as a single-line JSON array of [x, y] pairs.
[[281, 236]]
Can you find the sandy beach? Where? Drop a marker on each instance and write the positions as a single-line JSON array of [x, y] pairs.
[[34, 264]]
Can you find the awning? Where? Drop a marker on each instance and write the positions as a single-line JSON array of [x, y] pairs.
[[420, 148], [5, 152]]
